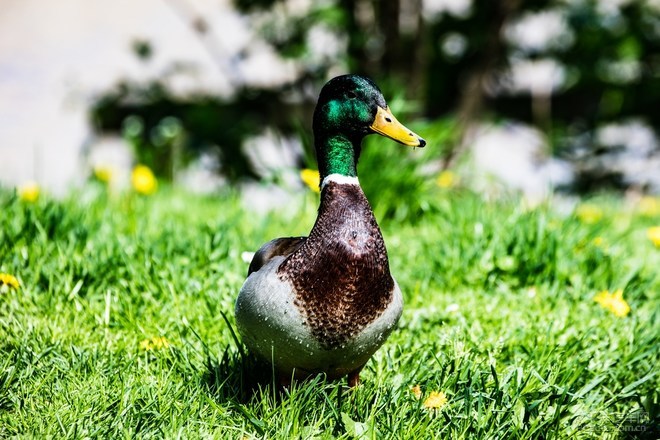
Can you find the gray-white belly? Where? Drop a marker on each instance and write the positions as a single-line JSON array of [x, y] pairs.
[[274, 328]]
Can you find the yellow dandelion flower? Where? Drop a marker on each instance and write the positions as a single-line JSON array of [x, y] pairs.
[[311, 178], [447, 179], [416, 391], [155, 343], [599, 242], [9, 280], [613, 302], [589, 214], [29, 192], [436, 400], [143, 180], [654, 235], [649, 206], [104, 174]]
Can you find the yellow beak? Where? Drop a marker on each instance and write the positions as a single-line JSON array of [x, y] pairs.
[[387, 125]]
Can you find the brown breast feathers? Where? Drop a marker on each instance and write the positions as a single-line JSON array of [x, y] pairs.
[[340, 273]]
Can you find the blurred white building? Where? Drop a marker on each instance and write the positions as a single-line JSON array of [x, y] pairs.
[[55, 57]]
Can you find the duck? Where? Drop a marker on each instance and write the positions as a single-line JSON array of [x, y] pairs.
[[325, 303]]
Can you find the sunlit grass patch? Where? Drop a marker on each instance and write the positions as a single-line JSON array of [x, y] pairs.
[[117, 328]]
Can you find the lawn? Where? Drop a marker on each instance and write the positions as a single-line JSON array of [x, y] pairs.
[[118, 327]]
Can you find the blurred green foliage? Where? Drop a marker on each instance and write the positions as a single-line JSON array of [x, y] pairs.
[[451, 63]]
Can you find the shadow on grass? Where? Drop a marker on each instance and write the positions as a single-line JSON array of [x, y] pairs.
[[237, 376]]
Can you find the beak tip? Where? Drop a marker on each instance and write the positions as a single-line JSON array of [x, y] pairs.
[[422, 142]]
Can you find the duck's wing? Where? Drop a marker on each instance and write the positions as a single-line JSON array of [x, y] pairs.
[[280, 246]]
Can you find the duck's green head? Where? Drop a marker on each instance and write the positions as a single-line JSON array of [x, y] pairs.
[[349, 108]]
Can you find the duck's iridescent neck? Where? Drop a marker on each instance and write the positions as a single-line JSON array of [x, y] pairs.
[[337, 155]]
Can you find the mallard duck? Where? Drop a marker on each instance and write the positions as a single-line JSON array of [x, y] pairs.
[[325, 303]]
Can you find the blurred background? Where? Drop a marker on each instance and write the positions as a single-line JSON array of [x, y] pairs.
[[522, 96]]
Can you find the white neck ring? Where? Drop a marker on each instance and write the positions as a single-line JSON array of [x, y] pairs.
[[340, 179]]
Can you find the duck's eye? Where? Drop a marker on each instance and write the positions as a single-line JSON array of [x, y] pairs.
[[351, 95]]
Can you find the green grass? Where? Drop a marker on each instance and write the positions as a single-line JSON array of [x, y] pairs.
[[499, 316]]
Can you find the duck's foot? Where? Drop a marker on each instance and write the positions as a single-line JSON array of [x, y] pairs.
[[354, 377]]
